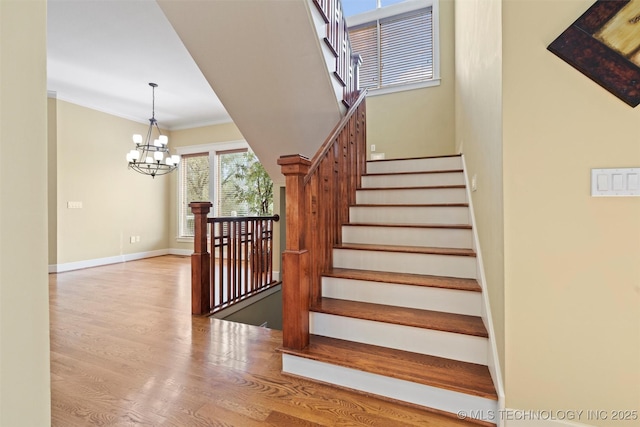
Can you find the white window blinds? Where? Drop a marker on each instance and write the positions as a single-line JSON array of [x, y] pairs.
[[228, 180], [395, 50], [194, 187], [364, 41]]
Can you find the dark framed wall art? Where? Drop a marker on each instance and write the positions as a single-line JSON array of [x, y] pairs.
[[604, 44]]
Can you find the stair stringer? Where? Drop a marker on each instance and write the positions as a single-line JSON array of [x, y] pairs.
[[493, 360]]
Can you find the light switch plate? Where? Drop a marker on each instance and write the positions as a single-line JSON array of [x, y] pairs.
[[615, 182]]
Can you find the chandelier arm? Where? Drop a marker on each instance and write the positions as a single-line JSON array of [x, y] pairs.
[[149, 132], [155, 123]]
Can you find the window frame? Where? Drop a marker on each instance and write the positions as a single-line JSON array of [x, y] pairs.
[[212, 149], [386, 12]]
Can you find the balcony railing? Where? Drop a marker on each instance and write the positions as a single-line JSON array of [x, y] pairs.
[[241, 265], [337, 38]]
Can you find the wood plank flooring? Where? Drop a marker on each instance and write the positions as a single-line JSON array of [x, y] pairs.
[[125, 351]]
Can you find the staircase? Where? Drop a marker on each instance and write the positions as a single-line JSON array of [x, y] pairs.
[[400, 310]]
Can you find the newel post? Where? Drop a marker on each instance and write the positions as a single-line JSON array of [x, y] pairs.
[[200, 260], [295, 259]]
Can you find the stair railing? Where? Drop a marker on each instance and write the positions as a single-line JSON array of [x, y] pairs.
[[241, 265], [337, 39], [318, 195]]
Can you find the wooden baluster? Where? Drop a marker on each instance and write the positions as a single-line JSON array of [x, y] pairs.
[[200, 267], [295, 259], [247, 256], [237, 282], [221, 239]]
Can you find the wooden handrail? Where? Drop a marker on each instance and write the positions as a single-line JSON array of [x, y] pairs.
[[242, 261], [326, 145], [318, 196]]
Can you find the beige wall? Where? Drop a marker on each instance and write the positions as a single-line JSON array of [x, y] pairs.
[[117, 203], [24, 306], [572, 276], [418, 122], [479, 137]]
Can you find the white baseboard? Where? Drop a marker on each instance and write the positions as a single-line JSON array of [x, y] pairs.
[[493, 359], [69, 266], [183, 252]]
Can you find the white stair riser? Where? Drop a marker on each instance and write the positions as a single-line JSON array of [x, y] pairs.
[[420, 297], [412, 196], [413, 180], [409, 236], [406, 391], [401, 262], [410, 214], [449, 345], [415, 165]]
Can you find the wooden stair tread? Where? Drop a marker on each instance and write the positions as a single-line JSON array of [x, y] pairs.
[[414, 158], [408, 249], [372, 224], [406, 279], [413, 173], [423, 187], [426, 319], [463, 377]]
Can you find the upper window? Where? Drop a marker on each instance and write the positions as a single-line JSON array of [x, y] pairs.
[[355, 7], [396, 44]]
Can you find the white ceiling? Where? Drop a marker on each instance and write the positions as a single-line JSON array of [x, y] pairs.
[[102, 54]]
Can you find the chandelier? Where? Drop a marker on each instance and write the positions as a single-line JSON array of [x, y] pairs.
[[151, 156]]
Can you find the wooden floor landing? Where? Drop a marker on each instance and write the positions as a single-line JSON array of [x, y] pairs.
[[126, 352]]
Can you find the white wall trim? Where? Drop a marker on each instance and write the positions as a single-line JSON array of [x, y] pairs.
[[214, 146], [401, 88], [77, 265], [203, 124], [493, 361], [184, 252]]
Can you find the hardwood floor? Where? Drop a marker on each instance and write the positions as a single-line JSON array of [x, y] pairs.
[[126, 351]]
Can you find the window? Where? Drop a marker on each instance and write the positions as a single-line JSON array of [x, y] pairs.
[[397, 45], [229, 163], [355, 7], [194, 179], [228, 175]]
